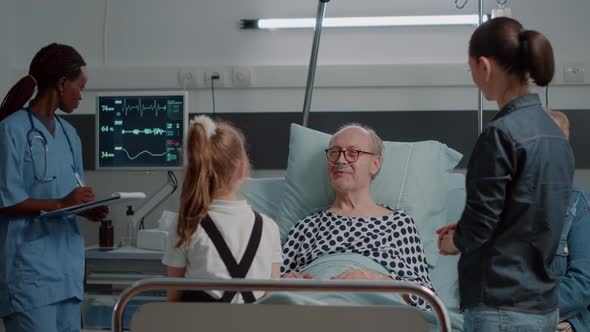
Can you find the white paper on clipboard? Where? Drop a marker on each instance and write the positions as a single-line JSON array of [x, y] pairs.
[[116, 198]]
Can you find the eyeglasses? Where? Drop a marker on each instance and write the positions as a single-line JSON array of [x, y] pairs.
[[350, 155]]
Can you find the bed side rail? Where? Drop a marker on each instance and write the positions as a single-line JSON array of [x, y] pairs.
[[278, 285]]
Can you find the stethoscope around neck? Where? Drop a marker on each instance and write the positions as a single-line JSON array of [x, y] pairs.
[[35, 134]]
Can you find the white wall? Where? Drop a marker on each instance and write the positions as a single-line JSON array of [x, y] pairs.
[[7, 35], [148, 42], [153, 32]]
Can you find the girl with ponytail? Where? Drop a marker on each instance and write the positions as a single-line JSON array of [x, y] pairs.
[[518, 182], [217, 235], [42, 259]]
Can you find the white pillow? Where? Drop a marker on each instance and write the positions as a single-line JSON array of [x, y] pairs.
[[413, 177], [263, 194]]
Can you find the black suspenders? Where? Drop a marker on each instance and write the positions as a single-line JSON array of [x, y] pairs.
[[235, 269]]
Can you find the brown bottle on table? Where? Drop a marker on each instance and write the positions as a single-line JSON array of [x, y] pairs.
[[106, 236]]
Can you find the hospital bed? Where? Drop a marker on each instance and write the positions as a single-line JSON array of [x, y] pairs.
[[263, 193], [267, 192]]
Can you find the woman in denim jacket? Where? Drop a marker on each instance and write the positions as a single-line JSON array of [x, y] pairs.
[[572, 262], [518, 184]]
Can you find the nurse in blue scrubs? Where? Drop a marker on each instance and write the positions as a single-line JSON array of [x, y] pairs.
[[42, 259]]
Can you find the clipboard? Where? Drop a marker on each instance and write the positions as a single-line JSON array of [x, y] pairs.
[[115, 198]]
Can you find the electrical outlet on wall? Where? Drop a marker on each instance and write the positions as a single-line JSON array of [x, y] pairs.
[[573, 73], [221, 74], [242, 77], [190, 78]]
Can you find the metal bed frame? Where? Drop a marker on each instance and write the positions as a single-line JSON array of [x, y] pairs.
[[278, 285]]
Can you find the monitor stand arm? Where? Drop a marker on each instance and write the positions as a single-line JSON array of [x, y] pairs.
[[155, 200]]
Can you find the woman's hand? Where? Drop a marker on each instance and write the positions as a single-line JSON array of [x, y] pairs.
[[446, 245], [98, 213], [78, 196], [443, 231], [361, 275], [296, 275]]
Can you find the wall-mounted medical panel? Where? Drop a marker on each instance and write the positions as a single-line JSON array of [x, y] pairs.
[[267, 134]]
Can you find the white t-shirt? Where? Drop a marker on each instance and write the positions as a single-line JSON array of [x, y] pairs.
[[235, 220]]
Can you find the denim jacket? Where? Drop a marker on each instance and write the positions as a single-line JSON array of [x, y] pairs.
[[572, 262], [518, 183]]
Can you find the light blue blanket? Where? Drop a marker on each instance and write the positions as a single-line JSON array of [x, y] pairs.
[[328, 266]]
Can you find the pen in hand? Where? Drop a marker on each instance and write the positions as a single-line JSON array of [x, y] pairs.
[[79, 181]]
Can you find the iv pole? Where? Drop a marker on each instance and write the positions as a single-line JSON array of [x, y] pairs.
[[480, 93], [314, 57], [313, 60]]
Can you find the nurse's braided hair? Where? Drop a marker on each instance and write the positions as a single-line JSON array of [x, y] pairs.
[[525, 53], [51, 63]]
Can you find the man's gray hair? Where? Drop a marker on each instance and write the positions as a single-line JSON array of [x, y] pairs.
[[376, 141]]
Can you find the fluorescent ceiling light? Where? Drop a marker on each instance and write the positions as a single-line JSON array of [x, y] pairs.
[[376, 21]]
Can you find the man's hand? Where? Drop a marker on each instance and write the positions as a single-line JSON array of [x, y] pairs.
[[296, 275], [361, 275], [565, 326]]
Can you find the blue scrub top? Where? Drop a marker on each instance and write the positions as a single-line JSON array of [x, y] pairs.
[[41, 260]]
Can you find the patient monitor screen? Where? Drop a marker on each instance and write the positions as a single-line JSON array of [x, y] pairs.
[[140, 131]]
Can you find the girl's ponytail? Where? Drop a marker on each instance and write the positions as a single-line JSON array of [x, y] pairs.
[[198, 184], [216, 156]]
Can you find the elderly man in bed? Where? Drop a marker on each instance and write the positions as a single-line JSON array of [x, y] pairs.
[[385, 241]]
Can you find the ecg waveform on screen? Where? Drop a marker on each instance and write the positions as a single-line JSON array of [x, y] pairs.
[[119, 148], [140, 107], [146, 131], [138, 131]]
